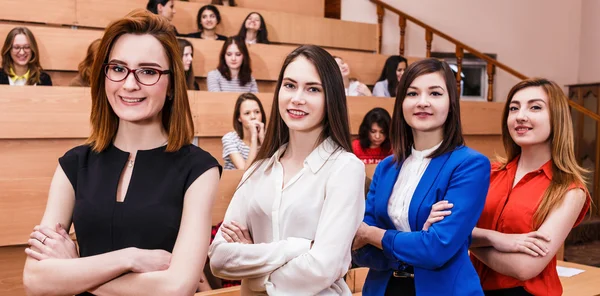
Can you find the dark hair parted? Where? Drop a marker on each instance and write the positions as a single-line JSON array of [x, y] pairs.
[[189, 74], [237, 125], [220, 2], [262, 36], [152, 5], [35, 69], [201, 10], [176, 114], [335, 122], [382, 118], [389, 72], [245, 74], [401, 133]]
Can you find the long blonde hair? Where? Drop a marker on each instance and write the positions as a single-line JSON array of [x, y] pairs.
[[565, 170]]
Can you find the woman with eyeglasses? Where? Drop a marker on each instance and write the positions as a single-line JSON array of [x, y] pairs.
[[138, 192], [21, 60]]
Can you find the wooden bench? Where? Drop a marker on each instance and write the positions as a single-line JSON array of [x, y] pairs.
[[307, 7], [285, 28], [62, 49]]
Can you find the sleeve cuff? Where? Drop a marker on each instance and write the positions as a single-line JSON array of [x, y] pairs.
[[387, 243], [296, 246]]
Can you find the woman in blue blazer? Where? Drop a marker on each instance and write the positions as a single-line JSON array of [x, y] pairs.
[[430, 163]]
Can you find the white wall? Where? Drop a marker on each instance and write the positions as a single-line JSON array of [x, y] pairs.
[[534, 37], [589, 55]]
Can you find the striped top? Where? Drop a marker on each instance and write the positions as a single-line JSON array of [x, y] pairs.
[[217, 83], [233, 144]]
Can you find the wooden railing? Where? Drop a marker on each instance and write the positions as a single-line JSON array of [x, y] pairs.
[[576, 104]]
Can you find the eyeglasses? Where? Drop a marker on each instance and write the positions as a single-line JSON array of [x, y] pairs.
[[17, 49], [145, 76]]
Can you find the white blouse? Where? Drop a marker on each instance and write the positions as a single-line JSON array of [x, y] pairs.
[[324, 203], [410, 175]]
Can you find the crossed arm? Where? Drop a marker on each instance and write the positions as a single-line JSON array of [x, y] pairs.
[[128, 271]]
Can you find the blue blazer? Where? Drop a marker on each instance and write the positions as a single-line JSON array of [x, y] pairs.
[[439, 256]]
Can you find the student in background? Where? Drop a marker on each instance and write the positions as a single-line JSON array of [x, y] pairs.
[[373, 143], [390, 75], [208, 18], [430, 163], [224, 2], [352, 86], [234, 72], [164, 8], [21, 60], [241, 146], [254, 29], [187, 52], [85, 67], [290, 224]]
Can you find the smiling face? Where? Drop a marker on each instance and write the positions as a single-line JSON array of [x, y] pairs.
[[188, 57], [301, 97], [21, 50], [130, 100], [425, 107], [528, 118], [344, 68], [208, 20], [400, 70], [253, 22], [233, 57]]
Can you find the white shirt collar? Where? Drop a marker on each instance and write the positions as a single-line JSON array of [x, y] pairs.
[[424, 153]]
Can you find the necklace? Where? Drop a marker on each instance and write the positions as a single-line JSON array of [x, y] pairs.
[[131, 161]]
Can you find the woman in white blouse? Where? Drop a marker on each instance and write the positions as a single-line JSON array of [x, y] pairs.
[[289, 227], [352, 86]]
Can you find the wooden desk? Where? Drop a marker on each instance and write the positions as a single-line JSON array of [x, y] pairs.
[[583, 284]]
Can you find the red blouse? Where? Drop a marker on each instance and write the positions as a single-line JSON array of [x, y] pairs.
[[511, 210], [369, 155]]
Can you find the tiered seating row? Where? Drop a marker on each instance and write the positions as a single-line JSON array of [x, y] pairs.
[[286, 28]]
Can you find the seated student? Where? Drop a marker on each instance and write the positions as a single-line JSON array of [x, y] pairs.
[[240, 146], [233, 74], [352, 86], [254, 29], [537, 195], [224, 3], [165, 8], [21, 60], [373, 143], [85, 67], [390, 75], [208, 18], [187, 52]]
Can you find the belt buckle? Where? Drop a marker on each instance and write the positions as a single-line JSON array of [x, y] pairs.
[[403, 274]]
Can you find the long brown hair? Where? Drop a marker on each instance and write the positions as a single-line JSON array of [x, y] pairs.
[[189, 74], [35, 69], [85, 67], [335, 122], [237, 125], [565, 170], [401, 133], [245, 74], [176, 114]]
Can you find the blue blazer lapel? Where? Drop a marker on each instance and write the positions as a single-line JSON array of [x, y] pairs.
[[427, 180], [384, 191]]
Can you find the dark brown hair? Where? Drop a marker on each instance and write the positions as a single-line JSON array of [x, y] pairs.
[[201, 10], [401, 133], [382, 118], [189, 74], [245, 75], [335, 122], [389, 72], [262, 36], [176, 114], [237, 125], [35, 69], [565, 169], [220, 2], [85, 67]]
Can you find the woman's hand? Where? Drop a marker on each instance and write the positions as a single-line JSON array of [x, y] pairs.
[[533, 243], [363, 90], [261, 132], [236, 233], [439, 210], [360, 238], [149, 260], [46, 243]]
